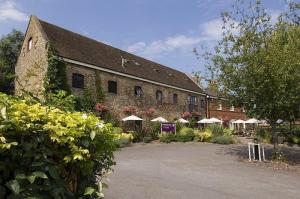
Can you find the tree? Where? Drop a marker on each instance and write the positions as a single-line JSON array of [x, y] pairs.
[[10, 47], [257, 62]]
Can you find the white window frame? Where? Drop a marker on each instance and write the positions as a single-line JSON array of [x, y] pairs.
[[231, 108], [220, 107]]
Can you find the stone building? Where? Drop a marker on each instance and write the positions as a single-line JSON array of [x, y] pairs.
[[127, 79]]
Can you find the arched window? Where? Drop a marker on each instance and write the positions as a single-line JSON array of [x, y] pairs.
[[159, 96], [29, 44], [175, 98], [138, 92]]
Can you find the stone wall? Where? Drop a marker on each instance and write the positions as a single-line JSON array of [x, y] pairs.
[[125, 94], [32, 64]]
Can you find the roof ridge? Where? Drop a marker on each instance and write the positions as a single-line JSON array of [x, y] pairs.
[[100, 42]]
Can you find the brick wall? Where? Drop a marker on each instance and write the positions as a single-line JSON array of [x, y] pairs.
[[225, 114]]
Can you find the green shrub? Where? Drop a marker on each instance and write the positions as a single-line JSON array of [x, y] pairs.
[[117, 130], [148, 139], [154, 130], [62, 100], [263, 135], [179, 126], [167, 137], [223, 139], [47, 152], [186, 130], [202, 136], [216, 130], [123, 139]]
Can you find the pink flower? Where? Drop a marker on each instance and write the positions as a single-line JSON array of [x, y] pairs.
[[100, 107]]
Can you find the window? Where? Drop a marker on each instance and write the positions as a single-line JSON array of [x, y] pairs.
[[138, 92], [77, 80], [29, 43], [112, 87], [231, 108], [192, 100], [243, 109], [175, 98], [202, 103], [220, 107], [159, 96]]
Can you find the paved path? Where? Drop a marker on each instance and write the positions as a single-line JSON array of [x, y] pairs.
[[195, 171]]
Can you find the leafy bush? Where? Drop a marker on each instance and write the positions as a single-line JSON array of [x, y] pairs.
[[263, 135], [223, 139], [186, 130], [216, 130], [179, 126], [202, 136], [123, 139], [167, 137], [148, 139], [117, 130], [185, 135], [47, 152], [62, 100]]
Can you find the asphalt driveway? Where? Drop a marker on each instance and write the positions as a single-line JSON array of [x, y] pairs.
[[194, 171]]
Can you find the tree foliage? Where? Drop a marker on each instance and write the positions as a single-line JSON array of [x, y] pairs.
[[257, 61], [10, 47], [49, 153]]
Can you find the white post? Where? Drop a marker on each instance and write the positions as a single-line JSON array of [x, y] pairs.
[[263, 150], [249, 152], [259, 152]]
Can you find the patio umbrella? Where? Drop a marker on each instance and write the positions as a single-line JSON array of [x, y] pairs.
[[132, 118], [214, 120], [239, 121], [252, 121], [159, 119], [181, 120], [205, 121]]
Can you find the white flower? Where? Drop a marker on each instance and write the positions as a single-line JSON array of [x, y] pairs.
[[100, 125], [84, 116]]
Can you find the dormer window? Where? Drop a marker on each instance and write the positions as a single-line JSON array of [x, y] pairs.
[[29, 45]]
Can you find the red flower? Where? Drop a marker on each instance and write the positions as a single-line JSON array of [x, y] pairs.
[[150, 112], [186, 115], [100, 107], [129, 110]]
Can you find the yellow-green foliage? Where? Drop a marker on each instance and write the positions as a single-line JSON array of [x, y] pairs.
[[51, 152], [203, 136], [123, 139]]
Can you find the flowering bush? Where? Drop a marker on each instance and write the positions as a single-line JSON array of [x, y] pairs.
[[100, 107], [129, 110], [186, 115], [150, 112], [47, 152]]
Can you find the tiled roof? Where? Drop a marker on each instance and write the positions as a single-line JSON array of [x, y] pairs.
[[80, 48]]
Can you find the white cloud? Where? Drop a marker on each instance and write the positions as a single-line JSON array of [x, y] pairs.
[[210, 31], [9, 11]]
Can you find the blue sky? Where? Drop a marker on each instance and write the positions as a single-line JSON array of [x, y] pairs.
[[165, 31]]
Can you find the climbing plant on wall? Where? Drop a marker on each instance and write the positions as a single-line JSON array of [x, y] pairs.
[[56, 78], [99, 89]]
